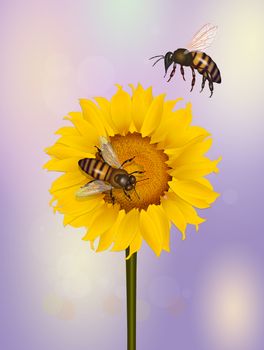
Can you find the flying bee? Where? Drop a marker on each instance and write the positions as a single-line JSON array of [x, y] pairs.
[[194, 57], [107, 173]]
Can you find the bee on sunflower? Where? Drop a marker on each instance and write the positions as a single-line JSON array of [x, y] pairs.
[[163, 158]]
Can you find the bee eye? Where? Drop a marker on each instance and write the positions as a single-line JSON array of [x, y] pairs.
[[132, 179]]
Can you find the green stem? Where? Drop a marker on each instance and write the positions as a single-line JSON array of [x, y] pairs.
[[131, 286]]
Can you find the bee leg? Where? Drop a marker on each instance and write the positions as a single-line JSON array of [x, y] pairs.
[[112, 197], [127, 195], [211, 87], [172, 72], [203, 83], [127, 161], [137, 172], [99, 153], [182, 72], [193, 78]]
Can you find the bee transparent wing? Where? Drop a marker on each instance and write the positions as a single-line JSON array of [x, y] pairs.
[[93, 187], [203, 38], [108, 153]]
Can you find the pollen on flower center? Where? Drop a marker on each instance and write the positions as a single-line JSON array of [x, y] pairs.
[[150, 185]]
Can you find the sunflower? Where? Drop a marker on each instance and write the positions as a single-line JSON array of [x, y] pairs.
[[165, 147]]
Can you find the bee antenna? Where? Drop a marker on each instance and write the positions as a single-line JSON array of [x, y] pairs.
[[147, 178], [156, 57], [136, 193], [162, 58]]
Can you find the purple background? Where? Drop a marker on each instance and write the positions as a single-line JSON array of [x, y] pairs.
[[55, 292]]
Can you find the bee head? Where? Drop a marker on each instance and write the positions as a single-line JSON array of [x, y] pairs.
[[168, 59], [130, 183], [126, 181]]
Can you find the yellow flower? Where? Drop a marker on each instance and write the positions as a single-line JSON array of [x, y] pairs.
[[166, 148]]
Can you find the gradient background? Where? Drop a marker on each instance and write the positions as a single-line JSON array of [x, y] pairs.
[[55, 292]]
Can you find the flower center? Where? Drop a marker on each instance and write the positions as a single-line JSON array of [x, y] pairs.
[[150, 185]]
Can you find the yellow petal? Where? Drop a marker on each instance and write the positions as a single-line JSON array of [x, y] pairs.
[[174, 213], [205, 182], [102, 221], [150, 232], [194, 152], [178, 136], [126, 230], [107, 238], [81, 143], [104, 105], [148, 95], [74, 207], [146, 92], [83, 220], [168, 108], [196, 202], [132, 127], [67, 180], [187, 210], [183, 117], [141, 101], [162, 224], [67, 130], [84, 216], [166, 239], [194, 193], [62, 151], [153, 116], [135, 244], [175, 152], [83, 126], [92, 114], [68, 164], [121, 111], [195, 170], [174, 124], [68, 203], [105, 108]]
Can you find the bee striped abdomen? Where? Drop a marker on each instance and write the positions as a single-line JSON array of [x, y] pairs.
[[96, 168], [200, 60], [204, 64], [215, 73]]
